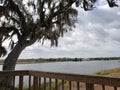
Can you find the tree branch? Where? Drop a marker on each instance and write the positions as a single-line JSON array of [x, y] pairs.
[[16, 9], [62, 10], [7, 30], [112, 3]]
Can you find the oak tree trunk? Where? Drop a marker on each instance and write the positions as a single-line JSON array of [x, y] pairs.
[[10, 61], [9, 64]]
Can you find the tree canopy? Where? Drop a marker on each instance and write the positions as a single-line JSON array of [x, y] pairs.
[[25, 22]]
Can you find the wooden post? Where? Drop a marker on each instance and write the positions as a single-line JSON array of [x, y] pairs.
[[44, 83], [35, 84], [103, 87], [63, 85], [50, 84], [89, 86], [56, 84], [39, 83], [78, 86], [20, 82], [29, 82], [70, 85], [115, 88]]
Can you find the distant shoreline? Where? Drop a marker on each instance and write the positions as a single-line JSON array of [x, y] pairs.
[[43, 60]]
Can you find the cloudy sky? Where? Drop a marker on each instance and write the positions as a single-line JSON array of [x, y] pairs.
[[97, 34]]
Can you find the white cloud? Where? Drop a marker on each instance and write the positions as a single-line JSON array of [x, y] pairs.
[[96, 35]]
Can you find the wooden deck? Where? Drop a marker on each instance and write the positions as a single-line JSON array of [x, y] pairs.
[[38, 80]]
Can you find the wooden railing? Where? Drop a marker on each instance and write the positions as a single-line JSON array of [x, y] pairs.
[[38, 80]]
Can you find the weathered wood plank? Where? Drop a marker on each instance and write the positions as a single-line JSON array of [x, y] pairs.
[[101, 80], [50, 84], [115, 88], [30, 82], [63, 85], [35, 83], [56, 84], [103, 87], [78, 85], [89, 86], [110, 81], [70, 85], [20, 82], [44, 83], [39, 83]]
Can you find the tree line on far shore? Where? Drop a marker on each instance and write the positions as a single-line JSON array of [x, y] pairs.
[[42, 60]]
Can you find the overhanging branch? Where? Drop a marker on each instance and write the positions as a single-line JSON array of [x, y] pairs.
[[16, 9]]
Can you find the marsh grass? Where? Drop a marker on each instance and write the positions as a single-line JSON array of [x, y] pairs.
[[111, 72], [4, 88], [42, 86]]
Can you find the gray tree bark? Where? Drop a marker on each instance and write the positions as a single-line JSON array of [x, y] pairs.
[[10, 61], [9, 64]]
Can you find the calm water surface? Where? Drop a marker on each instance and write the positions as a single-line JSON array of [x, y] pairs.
[[84, 67]]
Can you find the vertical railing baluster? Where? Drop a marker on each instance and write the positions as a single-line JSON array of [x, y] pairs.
[[103, 87], [70, 85], [63, 85], [50, 84], [35, 83], [44, 83], [78, 86], [115, 88], [89, 86], [39, 83], [20, 82], [13, 83], [56, 84], [29, 82]]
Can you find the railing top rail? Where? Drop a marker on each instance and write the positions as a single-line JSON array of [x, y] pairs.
[[104, 80], [95, 79], [14, 73]]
